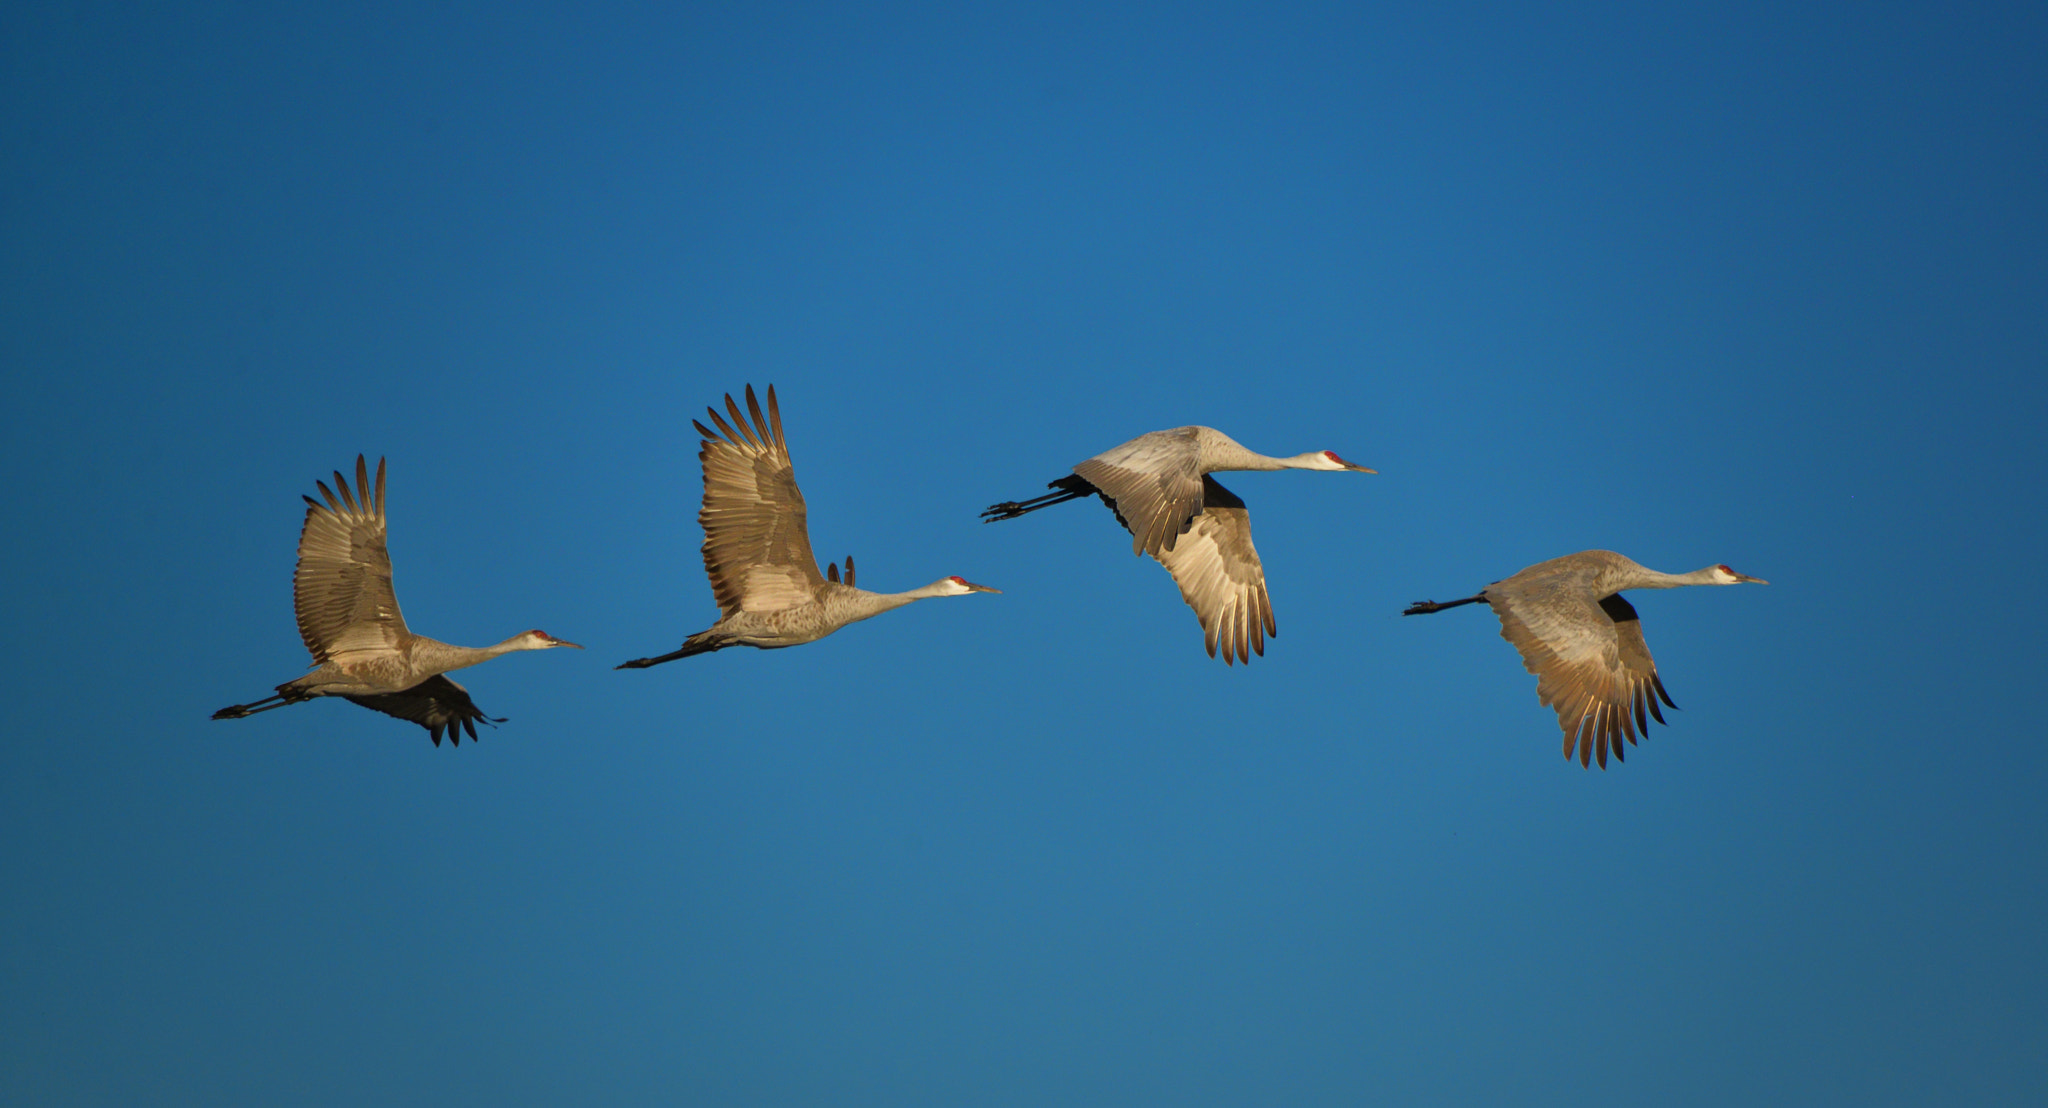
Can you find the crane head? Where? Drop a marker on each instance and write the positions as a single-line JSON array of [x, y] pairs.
[[1725, 576], [961, 586], [538, 639], [1337, 463]]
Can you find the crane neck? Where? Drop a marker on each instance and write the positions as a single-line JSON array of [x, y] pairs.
[[432, 656], [1226, 454], [1218, 451], [1643, 577], [889, 600]]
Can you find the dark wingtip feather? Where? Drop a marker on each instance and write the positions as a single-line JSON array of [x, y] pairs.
[[347, 497], [740, 421], [730, 435], [760, 424], [1659, 683]]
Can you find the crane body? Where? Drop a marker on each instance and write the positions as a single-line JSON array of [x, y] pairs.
[[757, 547], [348, 616], [1159, 487], [1585, 644]]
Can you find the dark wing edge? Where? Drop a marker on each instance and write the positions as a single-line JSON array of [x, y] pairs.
[[1220, 577], [343, 576], [753, 513], [437, 704], [1607, 692]]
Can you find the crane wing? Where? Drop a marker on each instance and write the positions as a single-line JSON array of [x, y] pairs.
[[436, 704], [757, 549], [1590, 662], [1156, 484], [341, 590], [1220, 577]]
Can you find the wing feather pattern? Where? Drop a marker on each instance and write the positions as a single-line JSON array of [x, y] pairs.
[[1156, 482], [757, 548], [341, 590], [1591, 664], [436, 704], [1220, 577]]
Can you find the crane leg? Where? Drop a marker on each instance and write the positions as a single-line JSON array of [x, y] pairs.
[[1424, 607], [703, 642], [1069, 488], [237, 711]]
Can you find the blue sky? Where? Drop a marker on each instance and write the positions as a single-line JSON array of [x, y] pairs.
[[1701, 284]]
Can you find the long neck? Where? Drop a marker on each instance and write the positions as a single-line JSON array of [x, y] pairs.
[[857, 604], [1643, 577], [431, 656], [1221, 452]]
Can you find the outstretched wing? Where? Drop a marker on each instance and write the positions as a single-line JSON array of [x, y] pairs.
[[1156, 484], [1590, 662], [342, 588], [1220, 577], [757, 549], [436, 704]]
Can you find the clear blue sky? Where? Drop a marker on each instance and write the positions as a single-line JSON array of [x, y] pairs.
[[1701, 283]]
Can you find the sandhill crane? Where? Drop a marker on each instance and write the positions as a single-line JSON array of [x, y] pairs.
[[349, 618], [1158, 485], [757, 549], [1584, 643]]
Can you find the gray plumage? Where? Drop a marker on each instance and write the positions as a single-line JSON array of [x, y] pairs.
[[348, 616], [1585, 643], [757, 547], [1158, 485]]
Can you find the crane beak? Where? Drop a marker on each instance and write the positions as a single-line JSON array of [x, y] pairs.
[[1751, 580], [972, 587], [566, 642]]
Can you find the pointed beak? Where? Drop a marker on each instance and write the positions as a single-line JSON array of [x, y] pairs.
[[1751, 580], [1359, 468], [979, 588], [566, 642]]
